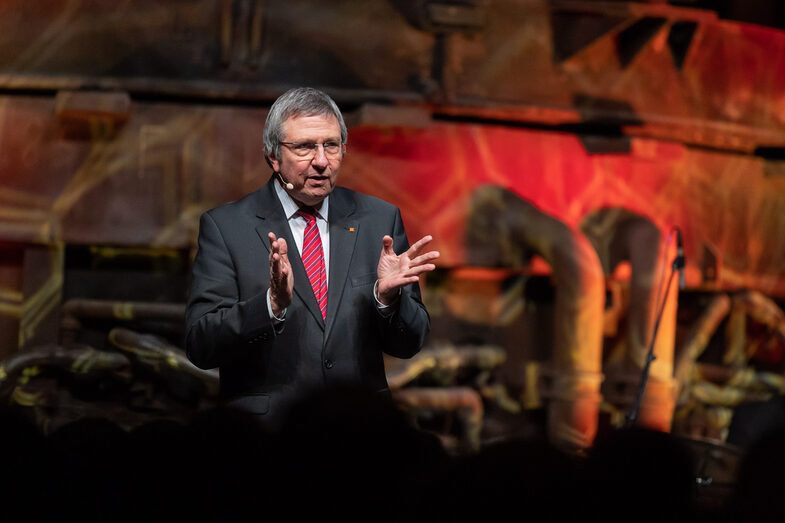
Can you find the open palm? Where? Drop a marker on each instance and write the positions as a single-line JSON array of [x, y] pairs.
[[396, 270]]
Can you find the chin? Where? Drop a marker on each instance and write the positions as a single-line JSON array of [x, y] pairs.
[[313, 199]]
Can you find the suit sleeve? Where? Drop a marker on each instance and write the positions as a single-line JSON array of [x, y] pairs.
[[406, 330], [218, 323]]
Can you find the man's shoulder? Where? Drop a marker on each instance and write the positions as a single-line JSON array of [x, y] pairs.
[[248, 204]]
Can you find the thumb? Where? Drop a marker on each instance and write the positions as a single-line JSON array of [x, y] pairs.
[[387, 243]]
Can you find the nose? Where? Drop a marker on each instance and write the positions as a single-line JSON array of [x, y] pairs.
[[319, 158]]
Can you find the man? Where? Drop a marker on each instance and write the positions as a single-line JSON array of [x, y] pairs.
[[277, 328]]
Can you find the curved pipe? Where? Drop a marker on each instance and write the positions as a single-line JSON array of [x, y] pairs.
[[504, 230], [621, 235], [75, 310]]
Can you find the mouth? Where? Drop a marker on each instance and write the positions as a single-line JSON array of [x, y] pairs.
[[318, 179]]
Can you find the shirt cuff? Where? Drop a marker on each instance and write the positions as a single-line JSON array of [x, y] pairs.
[[275, 319], [385, 310]]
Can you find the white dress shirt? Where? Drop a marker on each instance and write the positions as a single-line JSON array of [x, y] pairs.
[[297, 226]]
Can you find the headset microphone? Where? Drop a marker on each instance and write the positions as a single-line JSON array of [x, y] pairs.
[[286, 184]]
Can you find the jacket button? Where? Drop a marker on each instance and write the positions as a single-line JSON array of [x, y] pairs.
[[328, 364], [265, 336]]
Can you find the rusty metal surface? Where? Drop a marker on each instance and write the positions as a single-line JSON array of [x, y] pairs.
[[164, 359], [90, 167], [144, 186], [753, 341], [31, 281], [103, 309], [226, 48], [668, 72], [442, 359], [75, 312], [465, 402]]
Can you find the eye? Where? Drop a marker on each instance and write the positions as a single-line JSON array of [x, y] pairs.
[[305, 147], [331, 147]]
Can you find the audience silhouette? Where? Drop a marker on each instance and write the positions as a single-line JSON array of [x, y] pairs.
[[347, 454]]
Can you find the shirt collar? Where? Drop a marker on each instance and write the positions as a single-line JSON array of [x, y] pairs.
[[290, 207]]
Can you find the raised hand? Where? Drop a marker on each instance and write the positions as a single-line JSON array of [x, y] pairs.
[[281, 277], [395, 271]]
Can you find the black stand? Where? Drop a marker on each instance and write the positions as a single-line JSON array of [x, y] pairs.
[[632, 415]]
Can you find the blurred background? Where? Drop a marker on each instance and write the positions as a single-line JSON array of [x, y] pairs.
[[566, 155]]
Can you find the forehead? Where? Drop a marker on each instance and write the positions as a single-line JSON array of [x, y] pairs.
[[311, 127]]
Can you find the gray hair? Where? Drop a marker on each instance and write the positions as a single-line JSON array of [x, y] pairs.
[[300, 101]]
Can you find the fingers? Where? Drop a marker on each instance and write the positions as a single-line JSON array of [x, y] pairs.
[[424, 258], [274, 255], [277, 245], [279, 260], [281, 279], [420, 269], [412, 274], [283, 250], [418, 245], [387, 245]]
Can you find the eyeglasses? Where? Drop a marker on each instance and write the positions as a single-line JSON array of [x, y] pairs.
[[308, 149]]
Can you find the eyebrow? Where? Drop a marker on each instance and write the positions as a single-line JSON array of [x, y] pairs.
[[314, 140]]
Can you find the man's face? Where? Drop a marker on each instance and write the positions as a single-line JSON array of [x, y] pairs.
[[313, 176]]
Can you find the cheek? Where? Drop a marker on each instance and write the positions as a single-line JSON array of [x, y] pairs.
[[334, 169], [294, 170]]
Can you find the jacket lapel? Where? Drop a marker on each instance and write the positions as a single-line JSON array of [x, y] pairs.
[[344, 228], [274, 220]]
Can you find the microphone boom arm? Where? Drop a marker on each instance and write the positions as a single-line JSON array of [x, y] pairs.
[[632, 415]]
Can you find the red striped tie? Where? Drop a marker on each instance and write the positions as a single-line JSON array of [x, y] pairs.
[[313, 260]]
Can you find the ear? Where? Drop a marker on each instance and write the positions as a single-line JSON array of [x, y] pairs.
[[272, 162]]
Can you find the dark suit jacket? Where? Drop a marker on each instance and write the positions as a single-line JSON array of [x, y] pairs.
[[228, 325]]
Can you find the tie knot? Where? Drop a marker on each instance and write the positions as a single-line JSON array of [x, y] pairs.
[[307, 213]]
